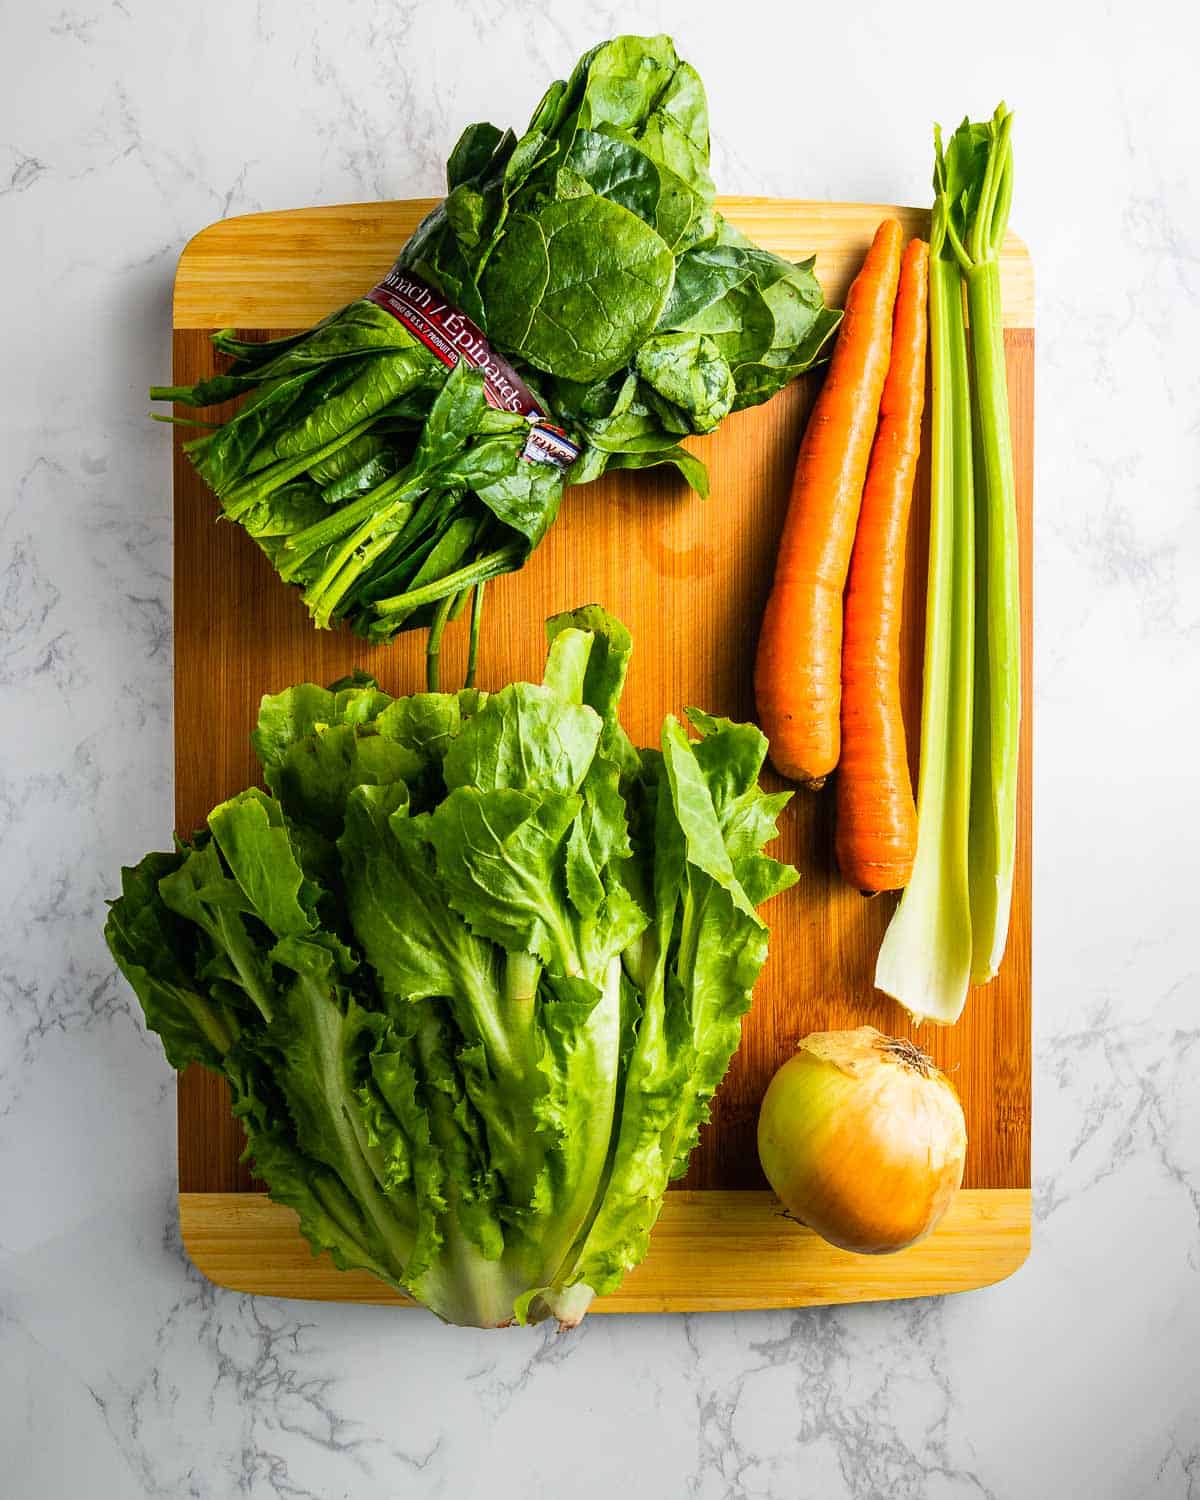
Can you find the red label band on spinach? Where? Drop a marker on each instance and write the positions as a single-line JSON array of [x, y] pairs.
[[452, 336], [587, 257]]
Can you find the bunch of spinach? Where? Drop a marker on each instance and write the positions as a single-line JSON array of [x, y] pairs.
[[590, 253], [473, 970]]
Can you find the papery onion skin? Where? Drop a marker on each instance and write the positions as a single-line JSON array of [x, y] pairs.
[[863, 1139]]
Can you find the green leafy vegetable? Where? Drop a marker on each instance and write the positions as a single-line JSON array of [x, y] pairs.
[[590, 252], [951, 926], [473, 968]]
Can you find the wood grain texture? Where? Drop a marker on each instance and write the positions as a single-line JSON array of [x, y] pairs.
[[711, 1252], [286, 270], [689, 578]]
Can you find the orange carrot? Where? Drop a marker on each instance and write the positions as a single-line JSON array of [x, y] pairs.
[[876, 817], [798, 673]]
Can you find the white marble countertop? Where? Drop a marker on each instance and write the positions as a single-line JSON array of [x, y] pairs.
[[125, 126]]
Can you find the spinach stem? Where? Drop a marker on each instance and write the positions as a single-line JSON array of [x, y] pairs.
[[476, 618], [266, 481], [303, 544], [491, 565], [361, 562], [433, 647], [348, 562]]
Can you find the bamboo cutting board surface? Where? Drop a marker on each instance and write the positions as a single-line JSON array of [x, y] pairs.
[[690, 579]]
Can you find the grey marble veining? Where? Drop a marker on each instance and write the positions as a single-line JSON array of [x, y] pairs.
[[125, 127]]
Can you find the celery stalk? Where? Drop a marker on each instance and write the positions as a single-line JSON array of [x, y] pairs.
[[951, 926], [993, 835], [925, 960]]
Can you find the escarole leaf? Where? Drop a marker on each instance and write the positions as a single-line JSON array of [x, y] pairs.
[[472, 969], [156, 952], [700, 824], [589, 252]]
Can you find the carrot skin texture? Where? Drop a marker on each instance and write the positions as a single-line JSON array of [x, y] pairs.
[[876, 837], [798, 669]]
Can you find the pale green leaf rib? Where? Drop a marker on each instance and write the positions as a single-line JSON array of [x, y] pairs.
[[925, 959]]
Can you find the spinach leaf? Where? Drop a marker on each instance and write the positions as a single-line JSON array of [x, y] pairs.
[[579, 288], [702, 277], [740, 324], [625, 78], [472, 154], [689, 370], [525, 499], [348, 459], [692, 468], [617, 170], [636, 430]]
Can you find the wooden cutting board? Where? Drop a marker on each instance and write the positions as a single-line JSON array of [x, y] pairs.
[[690, 579]]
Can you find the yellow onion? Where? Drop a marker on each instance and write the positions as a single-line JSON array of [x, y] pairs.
[[863, 1139]]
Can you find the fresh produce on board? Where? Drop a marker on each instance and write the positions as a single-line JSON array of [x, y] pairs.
[[827, 672], [798, 670], [473, 966], [595, 308], [472, 969], [951, 926], [863, 1139], [876, 827]]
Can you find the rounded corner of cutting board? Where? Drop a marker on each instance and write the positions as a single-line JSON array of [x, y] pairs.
[[224, 272], [1017, 1255], [1016, 252], [212, 239], [195, 1247], [235, 229]]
